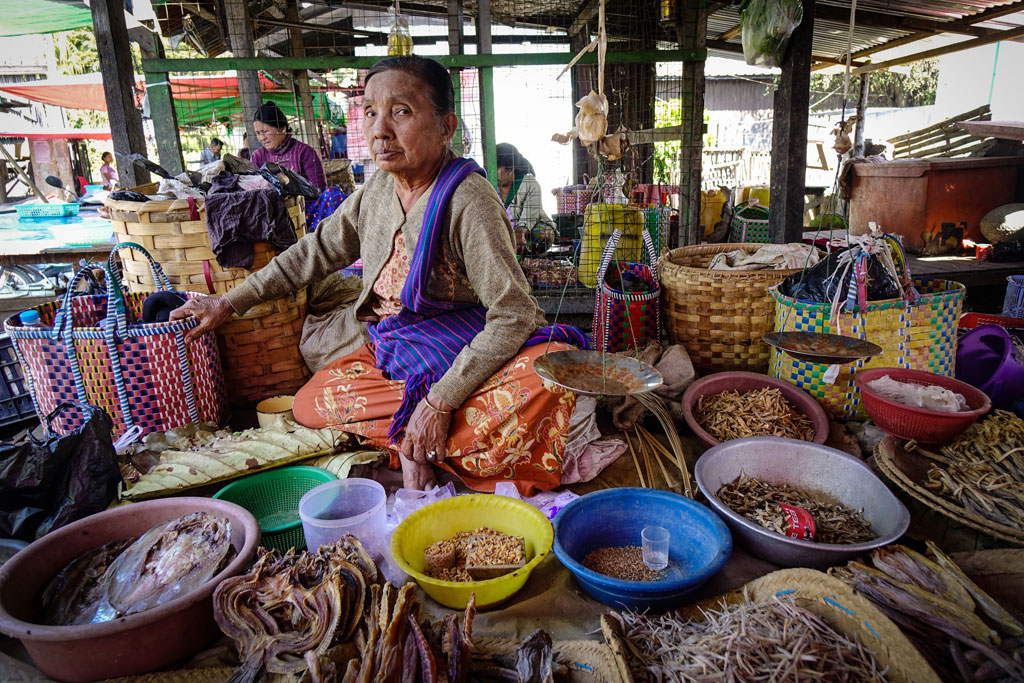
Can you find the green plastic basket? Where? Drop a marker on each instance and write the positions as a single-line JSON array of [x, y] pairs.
[[273, 498]]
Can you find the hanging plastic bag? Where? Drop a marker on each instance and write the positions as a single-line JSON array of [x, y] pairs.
[[399, 38], [820, 283], [47, 484], [766, 26]]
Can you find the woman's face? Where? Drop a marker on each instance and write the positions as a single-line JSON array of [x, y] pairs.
[[506, 174], [270, 137], [107, 158], [400, 127]]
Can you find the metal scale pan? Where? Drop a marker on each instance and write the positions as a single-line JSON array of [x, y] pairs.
[[597, 374]]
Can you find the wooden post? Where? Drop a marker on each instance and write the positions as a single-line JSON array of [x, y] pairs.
[[301, 78], [456, 46], [789, 135], [692, 32], [3, 181], [115, 57], [483, 36], [862, 106], [239, 36], [161, 107]]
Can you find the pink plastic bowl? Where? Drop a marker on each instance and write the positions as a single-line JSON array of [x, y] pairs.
[[138, 643], [918, 424], [751, 381]]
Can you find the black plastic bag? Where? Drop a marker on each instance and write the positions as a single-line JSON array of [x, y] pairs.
[[47, 484], [1011, 251], [292, 184], [820, 282]]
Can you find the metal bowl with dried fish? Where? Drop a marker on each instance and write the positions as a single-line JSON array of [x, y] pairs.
[[814, 469]]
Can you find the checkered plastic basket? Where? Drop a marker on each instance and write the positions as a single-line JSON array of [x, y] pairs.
[[141, 374], [750, 223], [920, 336], [626, 319]]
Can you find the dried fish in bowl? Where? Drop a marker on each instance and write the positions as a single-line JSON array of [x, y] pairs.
[[761, 412], [763, 502]]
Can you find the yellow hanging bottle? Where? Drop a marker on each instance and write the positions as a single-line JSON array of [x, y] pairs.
[[399, 39]]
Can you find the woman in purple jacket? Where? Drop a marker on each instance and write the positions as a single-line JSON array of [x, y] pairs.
[[280, 147]]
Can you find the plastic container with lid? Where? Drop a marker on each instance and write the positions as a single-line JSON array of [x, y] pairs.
[[30, 318], [349, 506]]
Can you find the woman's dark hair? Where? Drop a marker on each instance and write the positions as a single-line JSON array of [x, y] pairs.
[[509, 157], [434, 76], [271, 114], [105, 155]]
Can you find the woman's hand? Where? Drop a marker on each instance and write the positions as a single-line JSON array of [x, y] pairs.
[[427, 431], [210, 311]]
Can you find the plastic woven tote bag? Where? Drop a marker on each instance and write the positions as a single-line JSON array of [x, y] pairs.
[[628, 316], [919, 336], [141, 374], [750, 223]]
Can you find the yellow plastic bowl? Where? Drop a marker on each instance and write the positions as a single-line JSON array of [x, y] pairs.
[[445, 518]]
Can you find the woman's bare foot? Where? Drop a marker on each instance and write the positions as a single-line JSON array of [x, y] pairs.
[[416, 476]]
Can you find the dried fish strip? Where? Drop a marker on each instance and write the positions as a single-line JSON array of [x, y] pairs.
[[759, 500], [762, 412], [984, 471], [769, 641]]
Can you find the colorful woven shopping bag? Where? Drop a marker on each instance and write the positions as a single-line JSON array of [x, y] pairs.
[[750, 223], [627, 316], [143, 375], [920, 336]]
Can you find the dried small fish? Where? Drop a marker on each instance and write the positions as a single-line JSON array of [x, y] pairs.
[[775, 640], [72, 596], [992, 609], [762, 412], [759, 501]]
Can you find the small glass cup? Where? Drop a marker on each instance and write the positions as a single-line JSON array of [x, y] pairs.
[[655, 547]]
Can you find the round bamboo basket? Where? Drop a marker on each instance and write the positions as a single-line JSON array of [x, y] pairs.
[[260, 350], [719, 316]]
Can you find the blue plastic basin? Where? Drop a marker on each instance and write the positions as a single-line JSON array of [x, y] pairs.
[[700, 544]]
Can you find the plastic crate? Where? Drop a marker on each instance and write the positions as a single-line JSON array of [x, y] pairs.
[[1015, 326], [47, 210], [15, 400]]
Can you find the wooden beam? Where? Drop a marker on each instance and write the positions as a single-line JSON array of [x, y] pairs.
[[239, 36], [789, 134], [586, 15], [1010, 34], [731, 33], [161, 109], [115, 57], [487, 133], [301, 77], [317, 28], [894, 21], [691, 32], [456, 46]]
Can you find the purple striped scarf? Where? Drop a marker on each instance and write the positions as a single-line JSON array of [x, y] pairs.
[[419, 343]]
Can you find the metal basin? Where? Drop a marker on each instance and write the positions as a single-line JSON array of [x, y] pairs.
[[807, 466]]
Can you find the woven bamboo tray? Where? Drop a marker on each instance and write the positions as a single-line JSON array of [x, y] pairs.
[[847, 612], [260, 350], [720, 316], [908, 471]]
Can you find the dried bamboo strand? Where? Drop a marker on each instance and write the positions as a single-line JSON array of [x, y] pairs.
[[660, 453], [635, 461], [657, 407]]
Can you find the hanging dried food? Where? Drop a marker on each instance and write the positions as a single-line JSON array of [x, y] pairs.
[[166, 562], [292, 605], [762, 412], [763, 502]]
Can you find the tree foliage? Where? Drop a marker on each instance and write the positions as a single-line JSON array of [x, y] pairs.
[[912, 86]]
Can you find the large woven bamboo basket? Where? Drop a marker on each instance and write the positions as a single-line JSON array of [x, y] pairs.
[[260, 350], [720, 316]]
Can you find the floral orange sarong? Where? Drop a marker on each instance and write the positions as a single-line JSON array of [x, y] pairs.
[[513, 428]]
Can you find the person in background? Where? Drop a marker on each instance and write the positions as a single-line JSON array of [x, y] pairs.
[[107, 172], [211, 153], [521, 195], [244, 151], [280, 147], [339, 142]]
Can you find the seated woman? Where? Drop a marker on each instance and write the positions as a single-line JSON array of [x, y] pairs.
[[278, 146], [521, 195], [447, 379]]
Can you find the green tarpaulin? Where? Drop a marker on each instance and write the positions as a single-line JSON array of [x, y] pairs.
[[229, 109], [27, 17]]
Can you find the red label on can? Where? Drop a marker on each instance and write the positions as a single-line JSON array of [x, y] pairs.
[[799, 523]]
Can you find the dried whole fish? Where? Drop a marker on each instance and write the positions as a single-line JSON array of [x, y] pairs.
[[775, 640], [984, 470], [759, 501], [762, 412], [905, 565], [72, 596], [288, 606]]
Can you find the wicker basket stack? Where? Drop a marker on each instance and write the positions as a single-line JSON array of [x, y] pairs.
[[720, 316], [260, 350]]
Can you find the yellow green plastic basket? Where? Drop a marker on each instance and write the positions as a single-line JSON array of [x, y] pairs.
[[445, 518]]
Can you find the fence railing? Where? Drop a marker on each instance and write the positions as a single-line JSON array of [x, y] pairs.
[[734, 167]]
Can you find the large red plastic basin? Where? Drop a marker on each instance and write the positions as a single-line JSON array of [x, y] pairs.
[[138, 643]]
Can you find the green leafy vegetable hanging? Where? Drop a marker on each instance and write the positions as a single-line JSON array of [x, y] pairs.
[[766, 26]]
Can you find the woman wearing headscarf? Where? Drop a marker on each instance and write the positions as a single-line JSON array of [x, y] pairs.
[[280, 147], [447, 377], [521, 195]]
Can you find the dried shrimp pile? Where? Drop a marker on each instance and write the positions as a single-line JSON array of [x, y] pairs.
[[762, 412], [769, 641], [984, 470], [475, 555], [759, 500]]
